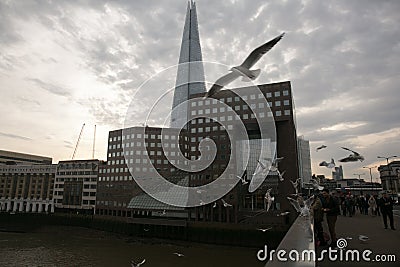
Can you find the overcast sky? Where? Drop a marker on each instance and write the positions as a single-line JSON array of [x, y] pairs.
[[65, 63]]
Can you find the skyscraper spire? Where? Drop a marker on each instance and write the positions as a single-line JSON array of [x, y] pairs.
[[190, 75]]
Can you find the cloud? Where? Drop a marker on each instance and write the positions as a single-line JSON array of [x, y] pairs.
[[51, 88], [343, 67], [15, 136]]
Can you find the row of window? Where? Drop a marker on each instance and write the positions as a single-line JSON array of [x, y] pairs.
[[244, 107], [146, 136], [138, 153], [208, 102], [139, 144]]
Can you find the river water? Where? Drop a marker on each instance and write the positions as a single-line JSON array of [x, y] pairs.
[[75, 246]]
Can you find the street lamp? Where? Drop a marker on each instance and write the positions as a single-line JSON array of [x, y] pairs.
[[390, 175], [359, 176], [370, 173]]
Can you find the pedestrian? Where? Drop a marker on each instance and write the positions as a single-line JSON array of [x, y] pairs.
[[372, 205], [330, 207], [386, 205], [318, 216]]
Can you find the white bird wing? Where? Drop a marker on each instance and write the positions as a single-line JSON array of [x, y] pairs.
[[257, 53], [324, 163], [355, 153], [221, 82], [294, 203]]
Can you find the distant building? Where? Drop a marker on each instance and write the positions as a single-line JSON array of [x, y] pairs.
[[13, 158], [118, 193], [304, 159], [390, 176], [337, 174], [27, 188], [76, 185]]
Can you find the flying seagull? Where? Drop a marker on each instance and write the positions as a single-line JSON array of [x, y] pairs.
[[242, 179], [296, 184], [352, 157], [244, 69], [329, 165], [226, 204], [280, 175], [264, 229], [321, 147], [363, 238], [316, 185], [215, 205], [283, 213], [275, 162], [138, 264], [179, 254], [269, 199]]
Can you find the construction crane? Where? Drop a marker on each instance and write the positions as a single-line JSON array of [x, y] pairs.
[[94, 141], [77, 142]]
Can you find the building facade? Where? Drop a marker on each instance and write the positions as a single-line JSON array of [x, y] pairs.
[[390, 177], [137, 151], [13, 158], [76, 185], [27, 188], [304, 159], [337, 174]]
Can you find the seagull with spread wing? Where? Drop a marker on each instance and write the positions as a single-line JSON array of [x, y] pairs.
[[133, 264], [352, 157], [329, 165], [321, 147], [244, 69]]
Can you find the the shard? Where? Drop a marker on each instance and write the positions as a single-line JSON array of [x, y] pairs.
[[190, 74]]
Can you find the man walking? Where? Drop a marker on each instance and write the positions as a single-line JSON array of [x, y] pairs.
[[386, 205], [330, 206]]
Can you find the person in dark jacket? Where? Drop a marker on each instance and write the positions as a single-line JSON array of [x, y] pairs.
[[386, 205], [330, 206], [318, 216]]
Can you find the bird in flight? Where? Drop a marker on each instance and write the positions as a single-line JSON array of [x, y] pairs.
[[329, 165], [242, 179], [283, 213], [264, 229], [296, 185], [179, 254], [269, 199], [352, 157], [316, 185], [321, 147], [215, 205], [244, 68], [363, 238], [226, 204], [138, 264]]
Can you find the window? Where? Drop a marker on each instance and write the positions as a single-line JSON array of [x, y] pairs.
[[222, 109], [278, 113], [261, 115], [285, 92], [269, 94], [252, 97], [193, 104], [260, 105], [287, 112], [245, 116], [277, 103], [277, 93]]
